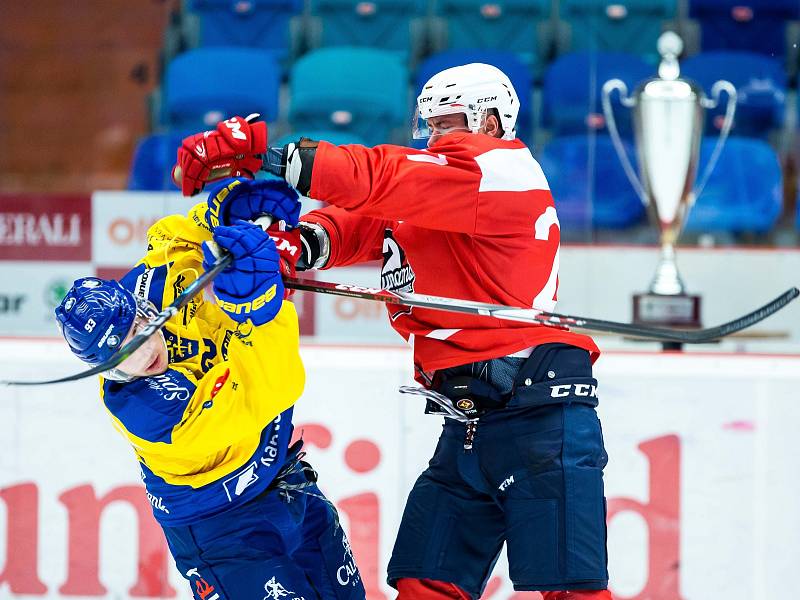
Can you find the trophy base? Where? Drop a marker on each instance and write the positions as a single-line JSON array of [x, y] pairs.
[[680, 310]]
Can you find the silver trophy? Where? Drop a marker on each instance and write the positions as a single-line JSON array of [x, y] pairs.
[[668, 117]]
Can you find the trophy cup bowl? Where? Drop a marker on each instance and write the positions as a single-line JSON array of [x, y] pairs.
[[668, 117]]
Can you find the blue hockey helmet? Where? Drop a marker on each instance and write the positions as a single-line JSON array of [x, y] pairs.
[[95, 317]]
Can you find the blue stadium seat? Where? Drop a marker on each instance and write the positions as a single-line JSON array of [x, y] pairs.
[[338, 138], [603, 198], [744, 192], [355, 90], [797, 202], [621, 25], [508, 25], [254, 23], [751, 25], [383, 24], [571, 96], [508, 62], [205, 85], [151, 167], [760, 83]]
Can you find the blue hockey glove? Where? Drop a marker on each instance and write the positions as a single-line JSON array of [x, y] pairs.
[[251, 288], [241, 198]]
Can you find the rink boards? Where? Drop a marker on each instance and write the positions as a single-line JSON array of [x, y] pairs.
[[48, 241], [702, 482]]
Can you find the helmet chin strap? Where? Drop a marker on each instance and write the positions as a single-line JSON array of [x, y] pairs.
[[116, 374]]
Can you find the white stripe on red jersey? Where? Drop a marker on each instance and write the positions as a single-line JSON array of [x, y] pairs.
[[510, 170]]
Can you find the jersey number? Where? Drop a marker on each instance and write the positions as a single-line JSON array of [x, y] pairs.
[[545, 300], [206, 362]]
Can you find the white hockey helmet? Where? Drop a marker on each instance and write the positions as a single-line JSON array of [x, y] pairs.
[[470, 89]]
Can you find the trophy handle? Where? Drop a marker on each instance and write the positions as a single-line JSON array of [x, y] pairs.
[[716, 89], [608, 88]]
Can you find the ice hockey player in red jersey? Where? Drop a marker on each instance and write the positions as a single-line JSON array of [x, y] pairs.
[[520, 459]]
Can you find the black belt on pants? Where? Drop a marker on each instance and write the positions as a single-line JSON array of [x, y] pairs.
[[552, 374]]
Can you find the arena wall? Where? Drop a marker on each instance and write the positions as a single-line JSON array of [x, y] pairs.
[[701, 485]]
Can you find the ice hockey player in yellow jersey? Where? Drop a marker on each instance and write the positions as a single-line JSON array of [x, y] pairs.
[[206, 403]]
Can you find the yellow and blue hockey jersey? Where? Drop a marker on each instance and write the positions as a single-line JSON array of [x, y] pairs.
[[213, 430]]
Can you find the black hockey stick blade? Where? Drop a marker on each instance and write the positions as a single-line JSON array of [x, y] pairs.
[[684, 336], [152, 327], [529, 315]]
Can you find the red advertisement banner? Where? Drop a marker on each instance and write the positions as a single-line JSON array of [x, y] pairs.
[[45, 228]]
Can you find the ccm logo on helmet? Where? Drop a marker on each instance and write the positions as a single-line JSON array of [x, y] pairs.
[[428, 99], [246, 307], [579, 389], [487, 99]]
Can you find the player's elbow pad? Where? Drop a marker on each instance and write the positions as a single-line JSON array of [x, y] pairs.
[[316, 247], [294, 163]]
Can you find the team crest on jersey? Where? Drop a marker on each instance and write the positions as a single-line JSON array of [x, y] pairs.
[[396, 274], [180, 348]]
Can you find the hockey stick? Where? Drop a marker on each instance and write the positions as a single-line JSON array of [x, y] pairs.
[[530, 315], [510, 313], [152, 327]]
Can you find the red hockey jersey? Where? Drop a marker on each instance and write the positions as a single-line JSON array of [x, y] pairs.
[[470, 218]]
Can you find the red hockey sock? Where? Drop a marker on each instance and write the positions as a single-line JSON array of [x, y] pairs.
[[429, 589], [578, 595]]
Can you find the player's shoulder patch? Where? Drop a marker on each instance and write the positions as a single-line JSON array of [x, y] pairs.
[[147, 282], [150, 407]]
